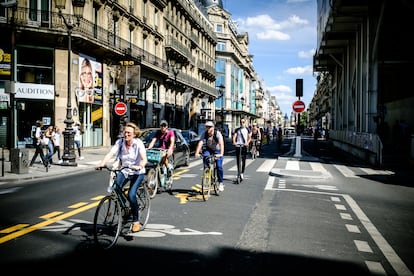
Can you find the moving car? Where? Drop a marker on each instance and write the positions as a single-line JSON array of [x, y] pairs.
[[192, 139], [181, 154]]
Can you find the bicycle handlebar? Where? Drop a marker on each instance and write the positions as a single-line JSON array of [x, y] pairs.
[[108, 168]]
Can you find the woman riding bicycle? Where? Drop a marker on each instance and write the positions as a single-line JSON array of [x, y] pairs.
[[214, 144], [132, 154], [165, 139], [241, 138]]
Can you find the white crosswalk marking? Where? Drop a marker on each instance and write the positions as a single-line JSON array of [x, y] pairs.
[[267, 165], [346, 171], [292, 165], [317, 167], [370, 171], [297, 167]]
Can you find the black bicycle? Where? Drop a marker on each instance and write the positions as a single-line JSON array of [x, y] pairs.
[[113, 215]]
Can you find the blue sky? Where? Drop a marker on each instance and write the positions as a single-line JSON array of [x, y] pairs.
[[282, 36]]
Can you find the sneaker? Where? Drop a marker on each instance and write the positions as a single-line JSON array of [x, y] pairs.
[[136, 227], [60, 161], [241, 176], [81, 158], [221, 187]]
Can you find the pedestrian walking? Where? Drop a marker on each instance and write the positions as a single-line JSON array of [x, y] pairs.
[[57, 133], [77, 138], [38, 143]]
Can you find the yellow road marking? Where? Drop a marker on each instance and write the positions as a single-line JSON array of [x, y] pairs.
[[46, 222]]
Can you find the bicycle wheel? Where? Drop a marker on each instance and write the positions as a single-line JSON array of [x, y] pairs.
[[107, 222], [254, 152], [206, 184], [169, 180], [214, 182], [152, 182], [144, 202]]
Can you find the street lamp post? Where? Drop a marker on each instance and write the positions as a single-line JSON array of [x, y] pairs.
[[69, 157], [221, 89], [176, 66]]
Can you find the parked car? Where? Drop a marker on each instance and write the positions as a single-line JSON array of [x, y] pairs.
[[181, 154], [192, 139]]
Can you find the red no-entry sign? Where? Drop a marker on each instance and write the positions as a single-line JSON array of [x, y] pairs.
[[120, 108], [298, 106]]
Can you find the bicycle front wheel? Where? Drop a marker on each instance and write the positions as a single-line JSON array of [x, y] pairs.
[[107, 222], [206, 184], [170, 179], [144, 203], [254, 152], [152, 182]]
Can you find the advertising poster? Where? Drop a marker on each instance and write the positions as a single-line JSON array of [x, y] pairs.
[[90, 81], [5, 57]]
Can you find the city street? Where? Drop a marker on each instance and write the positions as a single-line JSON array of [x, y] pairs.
[[322, 214]]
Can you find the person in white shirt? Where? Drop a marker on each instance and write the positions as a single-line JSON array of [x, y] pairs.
[[241, 138], [78, 137]]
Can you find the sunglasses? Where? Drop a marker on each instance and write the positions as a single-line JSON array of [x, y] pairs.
[[164, 125]]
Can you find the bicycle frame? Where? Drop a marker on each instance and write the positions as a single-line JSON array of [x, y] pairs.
[[209, 179], [253, 150], [157, 174]]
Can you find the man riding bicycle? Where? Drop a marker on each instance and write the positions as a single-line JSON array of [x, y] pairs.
[[130, 150], [165, 139], [213, 142], [241, 138]]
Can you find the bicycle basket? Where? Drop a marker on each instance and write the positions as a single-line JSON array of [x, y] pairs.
[[154, 155]]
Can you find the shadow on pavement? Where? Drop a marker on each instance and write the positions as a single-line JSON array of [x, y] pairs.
[[124, 260]]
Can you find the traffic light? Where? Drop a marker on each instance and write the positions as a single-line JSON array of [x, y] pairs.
[[299, 87]]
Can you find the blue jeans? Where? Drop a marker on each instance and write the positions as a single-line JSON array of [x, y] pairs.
[[135, 182], [49, 152], [219, 164]]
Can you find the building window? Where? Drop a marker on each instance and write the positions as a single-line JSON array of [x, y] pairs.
[[35, 65], [219, 28], [155, 94], [221, 46]]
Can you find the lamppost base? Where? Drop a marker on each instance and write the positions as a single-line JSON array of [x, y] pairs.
[[69, 157], [69, 163]]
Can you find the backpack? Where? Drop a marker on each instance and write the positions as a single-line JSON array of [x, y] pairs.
[[214, 137], [237, 130]]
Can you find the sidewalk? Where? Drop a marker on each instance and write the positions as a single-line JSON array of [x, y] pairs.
[[91, 157]]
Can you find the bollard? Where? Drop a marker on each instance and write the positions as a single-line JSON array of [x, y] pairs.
[[2, 161]]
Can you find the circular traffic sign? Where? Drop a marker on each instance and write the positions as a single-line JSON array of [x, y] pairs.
[[120, 108], [298, 106]]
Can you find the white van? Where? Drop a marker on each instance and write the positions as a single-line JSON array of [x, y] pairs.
[[289, 131]]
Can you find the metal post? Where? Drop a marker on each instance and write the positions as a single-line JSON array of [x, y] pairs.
[[69, 158]]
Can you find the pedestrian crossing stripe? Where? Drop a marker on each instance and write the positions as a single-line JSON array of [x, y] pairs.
[[296, 168]]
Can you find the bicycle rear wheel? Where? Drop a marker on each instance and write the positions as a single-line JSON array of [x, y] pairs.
[[206, 184], [107, 222], [152, 182], [144, 203]]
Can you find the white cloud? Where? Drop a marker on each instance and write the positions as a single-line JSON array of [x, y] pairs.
[[266, 28], [307, 70], [308, 54], [273, 35]]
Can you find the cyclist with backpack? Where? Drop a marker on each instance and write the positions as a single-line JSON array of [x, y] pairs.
[[213, 142]]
